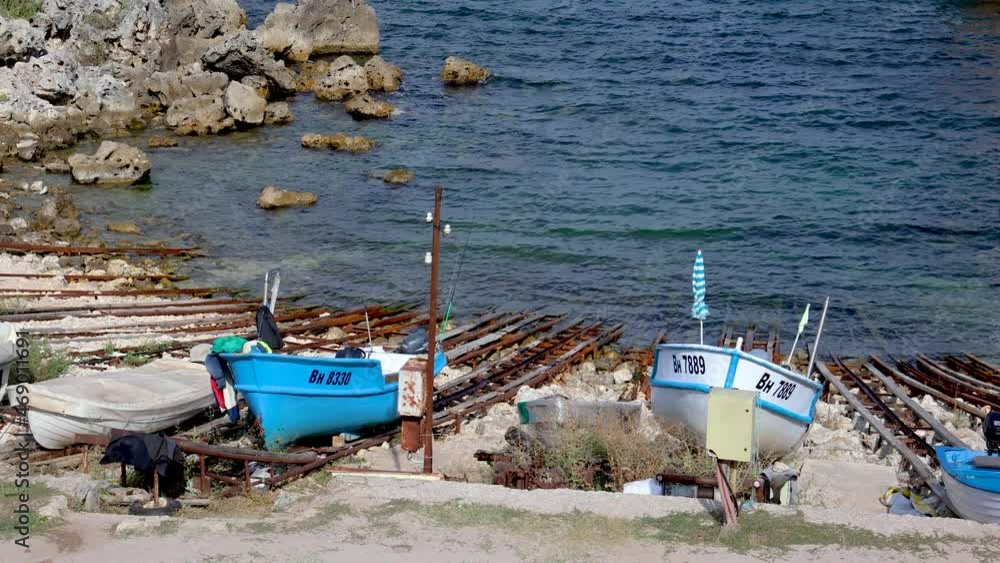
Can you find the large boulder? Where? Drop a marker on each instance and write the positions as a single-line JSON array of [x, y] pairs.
[[125, 35], [337, 142], [165, 88], [244, 105], [19, 41], [320, 27], [194, 26], [382, 76], [365, 107], [278, 113], [344, 79], [242, 55], [113, 163], [51, 77], [460, 72], [205, 19], [273, 198], [110, 104], [202, 115]]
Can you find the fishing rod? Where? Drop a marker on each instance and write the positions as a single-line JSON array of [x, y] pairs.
[[454, 283]]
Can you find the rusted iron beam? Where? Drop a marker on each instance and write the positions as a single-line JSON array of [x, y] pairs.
[[75, 293], [224, 452], [888, 415], [20, 247], [95, 277], [138, 309], [927, 389]]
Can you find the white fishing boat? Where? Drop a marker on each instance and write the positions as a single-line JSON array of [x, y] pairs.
[[149, 398], [683, 375]]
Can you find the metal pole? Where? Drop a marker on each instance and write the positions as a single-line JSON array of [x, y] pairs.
[[432, 337], [819, 332]]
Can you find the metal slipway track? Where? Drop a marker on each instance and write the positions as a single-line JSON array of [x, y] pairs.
[[886, 408]]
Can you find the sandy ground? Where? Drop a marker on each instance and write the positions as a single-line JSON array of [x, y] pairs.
[[383, 519]]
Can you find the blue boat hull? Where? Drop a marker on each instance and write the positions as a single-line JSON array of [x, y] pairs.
[[297, 397]]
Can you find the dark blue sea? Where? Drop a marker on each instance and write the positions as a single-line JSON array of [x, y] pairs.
[[848, 148]]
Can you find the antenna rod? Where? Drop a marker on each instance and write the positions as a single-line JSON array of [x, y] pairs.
[[369, 325], [819, 332]]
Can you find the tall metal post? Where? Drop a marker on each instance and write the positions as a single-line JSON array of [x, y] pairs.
[[432, 337]]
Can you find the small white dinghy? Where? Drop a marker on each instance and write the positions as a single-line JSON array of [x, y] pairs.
[[149, 398], [683, 375]]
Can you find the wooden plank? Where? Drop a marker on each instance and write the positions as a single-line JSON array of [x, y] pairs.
[[490, 338], [930, 419]]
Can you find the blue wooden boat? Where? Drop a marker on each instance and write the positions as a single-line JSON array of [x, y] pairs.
[[972, 480], [296, 397]]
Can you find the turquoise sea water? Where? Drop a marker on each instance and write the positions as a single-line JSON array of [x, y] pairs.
[[843, 148]]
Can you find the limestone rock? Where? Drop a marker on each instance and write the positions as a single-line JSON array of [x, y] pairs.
[[396, 176], [259, 84], [365, 107], [242, 55], [278, 113], [202, 115], [622, 374], [57, 167], [46, 214], [194, 26], [382, 76], [124, 228], [320, 27], [460, 72], [28, 148], [337, 142], [205, 19], [273, 198], [55, 508], [52, 77], [161, 142], [126, 35], [118, 268], [344, 79], [66, 227], [18, 224], [19, 41], [165, 88], [244, 105], [113, 163], [286, 499]]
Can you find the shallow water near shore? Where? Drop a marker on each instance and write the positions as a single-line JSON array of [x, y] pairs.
[[830, 148]]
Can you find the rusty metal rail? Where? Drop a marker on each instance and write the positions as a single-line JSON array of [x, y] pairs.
[[890, 436], [967, 388], [19, 247]]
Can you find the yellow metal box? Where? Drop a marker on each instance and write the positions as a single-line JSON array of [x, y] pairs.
[[732, 424]]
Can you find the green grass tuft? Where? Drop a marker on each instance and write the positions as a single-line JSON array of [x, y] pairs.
[[38, 494], [44, 363], [19, 9]]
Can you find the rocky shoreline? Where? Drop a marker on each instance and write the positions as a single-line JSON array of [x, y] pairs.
[[79, 69]]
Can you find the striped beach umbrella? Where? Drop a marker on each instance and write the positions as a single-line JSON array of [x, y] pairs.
[[699, 309]]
